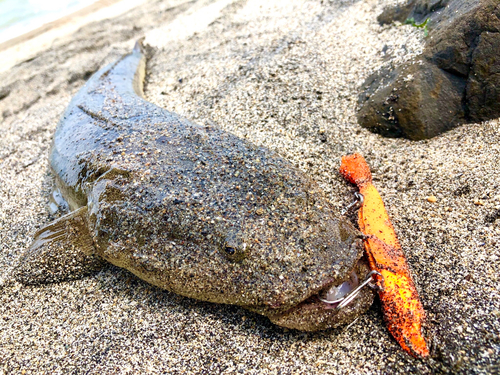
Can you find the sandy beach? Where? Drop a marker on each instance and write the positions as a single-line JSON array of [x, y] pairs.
[[284, 75]]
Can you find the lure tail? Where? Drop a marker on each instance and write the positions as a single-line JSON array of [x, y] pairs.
[[403, 311]]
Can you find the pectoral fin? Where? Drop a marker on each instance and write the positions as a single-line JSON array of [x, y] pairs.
[[61, 250]]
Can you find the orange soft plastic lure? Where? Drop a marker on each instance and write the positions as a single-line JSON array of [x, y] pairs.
[[403, 311]]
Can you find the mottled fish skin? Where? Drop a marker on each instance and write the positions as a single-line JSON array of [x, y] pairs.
[[198, 211]]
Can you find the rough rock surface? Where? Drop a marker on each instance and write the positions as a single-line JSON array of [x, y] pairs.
[[456, 80]]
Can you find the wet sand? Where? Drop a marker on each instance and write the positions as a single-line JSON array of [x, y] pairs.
[[284, 75], [28, 45]]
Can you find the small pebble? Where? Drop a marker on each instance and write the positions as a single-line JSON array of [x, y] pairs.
[[431, 199]]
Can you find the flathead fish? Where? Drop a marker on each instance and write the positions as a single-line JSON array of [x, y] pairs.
[[191, 209]]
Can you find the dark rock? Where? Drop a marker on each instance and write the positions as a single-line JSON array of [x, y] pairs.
[[456, 80], [483, 86], [399, 13], [416, 9], [420, 102]]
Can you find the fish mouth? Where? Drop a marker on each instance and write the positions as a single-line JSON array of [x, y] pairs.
[[320, 311]]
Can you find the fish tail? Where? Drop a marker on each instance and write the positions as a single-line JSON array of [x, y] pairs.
[[139, 46]]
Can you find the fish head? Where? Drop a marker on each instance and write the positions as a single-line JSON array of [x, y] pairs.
[[276, 252], [284, 263]]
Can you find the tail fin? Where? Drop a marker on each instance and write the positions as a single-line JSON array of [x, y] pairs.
[[139, 46]]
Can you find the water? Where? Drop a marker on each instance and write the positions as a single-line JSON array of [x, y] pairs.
[[18, 17]]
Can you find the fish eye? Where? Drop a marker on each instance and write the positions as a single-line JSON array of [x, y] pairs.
[[230, 250], [234, 248]]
